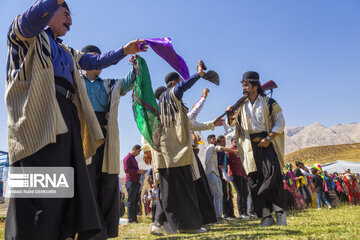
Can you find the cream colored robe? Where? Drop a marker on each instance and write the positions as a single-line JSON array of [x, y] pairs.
[[242, 134]]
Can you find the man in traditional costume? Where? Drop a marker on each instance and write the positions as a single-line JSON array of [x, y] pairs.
[[50, 120], [104, 166], [178, 203], [260, 132]]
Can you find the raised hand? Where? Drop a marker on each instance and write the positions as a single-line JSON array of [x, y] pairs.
[[134, 47], [205, 92], [200, 69]]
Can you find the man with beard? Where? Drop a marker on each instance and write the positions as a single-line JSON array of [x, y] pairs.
[[50, 120], [260, 132]]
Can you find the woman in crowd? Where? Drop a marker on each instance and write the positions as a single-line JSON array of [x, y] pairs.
[[331, 194], [340, 192], [291, 182], [351, 186]]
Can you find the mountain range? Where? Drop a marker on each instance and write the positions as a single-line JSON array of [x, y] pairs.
[[297, 138]]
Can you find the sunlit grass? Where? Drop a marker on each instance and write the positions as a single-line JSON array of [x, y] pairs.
[[338, 223]]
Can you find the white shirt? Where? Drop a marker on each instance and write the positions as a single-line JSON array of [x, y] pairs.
[[211, 160], [196, 108], [256, 115], [193, 113]]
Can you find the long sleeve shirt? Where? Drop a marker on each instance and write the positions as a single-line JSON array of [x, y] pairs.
[[256, 116], [99, 96], [222, 160], [185, 85], [235, 164], [194, 112], [211, 159], [131, 168], [36, 18]]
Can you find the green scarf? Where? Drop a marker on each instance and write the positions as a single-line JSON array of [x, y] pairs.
[[144, 105]]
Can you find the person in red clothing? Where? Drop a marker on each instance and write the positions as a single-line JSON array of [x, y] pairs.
[[132, 182], [353, 191], [238, 178]]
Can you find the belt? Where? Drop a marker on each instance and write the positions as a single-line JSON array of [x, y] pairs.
[[66, 93], [257, 137]]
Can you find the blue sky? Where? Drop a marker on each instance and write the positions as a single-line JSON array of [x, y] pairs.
[[309, 48]]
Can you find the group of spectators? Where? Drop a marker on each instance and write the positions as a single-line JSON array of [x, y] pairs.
[[314, 187]]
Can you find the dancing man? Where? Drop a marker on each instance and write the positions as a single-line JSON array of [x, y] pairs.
[[260, 132]]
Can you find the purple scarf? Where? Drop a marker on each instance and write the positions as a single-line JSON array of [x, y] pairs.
[[163, 47]]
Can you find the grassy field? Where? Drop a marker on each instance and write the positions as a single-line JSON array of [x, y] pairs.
[[339, 223]]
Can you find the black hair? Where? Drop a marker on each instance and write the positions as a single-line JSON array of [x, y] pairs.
[[313, 170], [136, 147], [297, 163], [219, 138], [210, 137]]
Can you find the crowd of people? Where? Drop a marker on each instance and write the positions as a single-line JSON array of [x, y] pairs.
[[248, 156], [314, 187], [62, 113]]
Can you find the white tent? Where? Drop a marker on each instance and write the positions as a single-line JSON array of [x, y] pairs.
[[340, 167]]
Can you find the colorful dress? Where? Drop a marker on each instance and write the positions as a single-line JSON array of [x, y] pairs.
[[353, 191], [332, 196], [339, 189], [299, 201]]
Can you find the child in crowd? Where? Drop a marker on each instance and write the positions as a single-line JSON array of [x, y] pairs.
[[319, 188]]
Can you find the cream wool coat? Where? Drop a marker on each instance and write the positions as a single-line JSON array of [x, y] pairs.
[[242, 134]]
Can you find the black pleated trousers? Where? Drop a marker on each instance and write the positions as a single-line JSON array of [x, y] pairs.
[[57, 218], [106, 191], [266, 184], [205, 199], [177, 200]]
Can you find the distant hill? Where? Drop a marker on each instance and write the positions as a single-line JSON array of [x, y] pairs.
[[297, 138], [325, 154]]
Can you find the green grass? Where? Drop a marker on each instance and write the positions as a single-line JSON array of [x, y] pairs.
[[338, 223]]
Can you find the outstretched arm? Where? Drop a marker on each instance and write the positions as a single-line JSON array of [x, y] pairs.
[[101, 61], [37, 16], [184, 85]]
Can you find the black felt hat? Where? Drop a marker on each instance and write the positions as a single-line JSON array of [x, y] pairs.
[[171, 76], [212, 76], [251, 76], [64, 4], [91, 49], [159, 91]]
